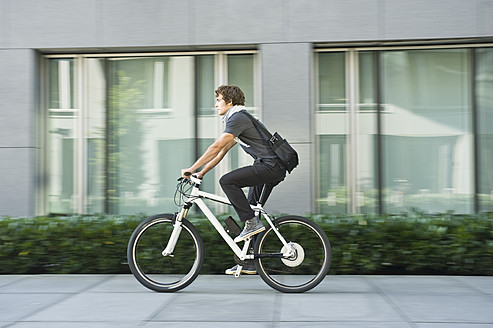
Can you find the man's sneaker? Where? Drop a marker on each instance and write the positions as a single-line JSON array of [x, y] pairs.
[[252, 227], [248, 269]]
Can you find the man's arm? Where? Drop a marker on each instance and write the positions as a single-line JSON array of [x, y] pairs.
[[225, 141], [209, 166]]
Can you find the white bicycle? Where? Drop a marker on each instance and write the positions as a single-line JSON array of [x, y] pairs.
[[165, 252]]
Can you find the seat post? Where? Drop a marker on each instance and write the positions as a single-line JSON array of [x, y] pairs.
[[261, 200]]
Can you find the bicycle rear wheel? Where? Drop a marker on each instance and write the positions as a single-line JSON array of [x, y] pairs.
[[165, 273], [306, 268]]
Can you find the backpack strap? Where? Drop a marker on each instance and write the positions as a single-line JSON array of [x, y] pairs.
[[256, 122]]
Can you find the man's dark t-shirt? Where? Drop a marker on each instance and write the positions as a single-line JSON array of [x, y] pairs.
[[251, 139]]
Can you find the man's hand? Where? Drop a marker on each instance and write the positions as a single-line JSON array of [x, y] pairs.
[[184, 171], [184, 174]]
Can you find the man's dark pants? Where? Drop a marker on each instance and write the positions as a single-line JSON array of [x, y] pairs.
[[254, 176]]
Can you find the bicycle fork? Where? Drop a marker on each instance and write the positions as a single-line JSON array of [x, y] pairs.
[[170, 247]]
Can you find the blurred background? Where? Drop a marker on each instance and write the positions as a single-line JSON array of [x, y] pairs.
[[389, 103]]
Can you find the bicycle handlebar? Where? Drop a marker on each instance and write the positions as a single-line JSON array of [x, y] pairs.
[[191, 178]]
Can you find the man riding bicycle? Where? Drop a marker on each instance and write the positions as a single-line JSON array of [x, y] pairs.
[[266, 168]]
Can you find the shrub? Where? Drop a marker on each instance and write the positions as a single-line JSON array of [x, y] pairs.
[[365, 244]]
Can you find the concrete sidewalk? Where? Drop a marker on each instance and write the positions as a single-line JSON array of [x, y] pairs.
[[88, 301]]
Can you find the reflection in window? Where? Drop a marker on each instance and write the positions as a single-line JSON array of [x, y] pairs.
[[366, 78], [205, 85], [426, 131], [427, 137], [124, 149], [150, 131], [241, 73], [61, 193], [96, 135], [331, 129], [332, 188], [61, 94], [484, 94], [367, 181], [331, 81]]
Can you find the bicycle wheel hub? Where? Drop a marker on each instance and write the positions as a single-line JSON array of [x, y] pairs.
[[297, 257]]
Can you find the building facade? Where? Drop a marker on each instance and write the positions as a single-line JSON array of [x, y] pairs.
[[388, 103]]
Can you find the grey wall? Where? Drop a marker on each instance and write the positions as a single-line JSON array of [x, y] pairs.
[[156, 23], [17, 131], [283, 31], [287, 107]]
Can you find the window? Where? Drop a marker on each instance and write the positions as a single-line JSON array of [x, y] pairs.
[[118, 143], [395, 130]]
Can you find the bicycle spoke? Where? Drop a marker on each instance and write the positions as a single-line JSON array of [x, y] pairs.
[[307, 266], [165, 273]]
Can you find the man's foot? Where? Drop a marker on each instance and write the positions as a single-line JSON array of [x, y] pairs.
[[252, 227], [248, 269]]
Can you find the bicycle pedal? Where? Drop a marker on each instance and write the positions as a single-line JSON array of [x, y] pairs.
[[237, 273]]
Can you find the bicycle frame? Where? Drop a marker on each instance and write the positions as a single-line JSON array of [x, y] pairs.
[[196, 197]]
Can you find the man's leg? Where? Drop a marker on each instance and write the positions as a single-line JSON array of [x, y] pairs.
[[253, 197], [232, 183], [254, 176], [248, 176]]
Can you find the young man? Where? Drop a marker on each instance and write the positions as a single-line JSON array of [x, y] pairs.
[[266, 168]]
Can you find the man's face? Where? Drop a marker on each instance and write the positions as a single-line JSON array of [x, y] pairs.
[[221, 105]]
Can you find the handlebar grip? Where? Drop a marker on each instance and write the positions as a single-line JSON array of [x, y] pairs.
[[187, 174]]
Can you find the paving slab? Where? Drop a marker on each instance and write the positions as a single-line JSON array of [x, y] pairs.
[[100, 301], [446, 308], [337, 307]]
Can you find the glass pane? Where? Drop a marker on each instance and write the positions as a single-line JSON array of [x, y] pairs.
[[331, 123], [96, 134], [150, 131], [205, 85], [367, 194], [331, 81], [241, 73], [61, 152], [332, 189], [208, 118], [427, 139], [484, 94], [61, 91], [366, 78]]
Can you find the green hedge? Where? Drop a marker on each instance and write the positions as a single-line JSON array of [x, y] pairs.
[[407, 244]]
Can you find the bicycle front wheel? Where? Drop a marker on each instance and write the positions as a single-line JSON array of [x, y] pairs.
[[308, 265], [165, 273]]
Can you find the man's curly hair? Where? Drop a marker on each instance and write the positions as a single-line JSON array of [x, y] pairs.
[[231, 93]]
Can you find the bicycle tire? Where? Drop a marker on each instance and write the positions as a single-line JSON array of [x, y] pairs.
[[165, 273], [303, 271]]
